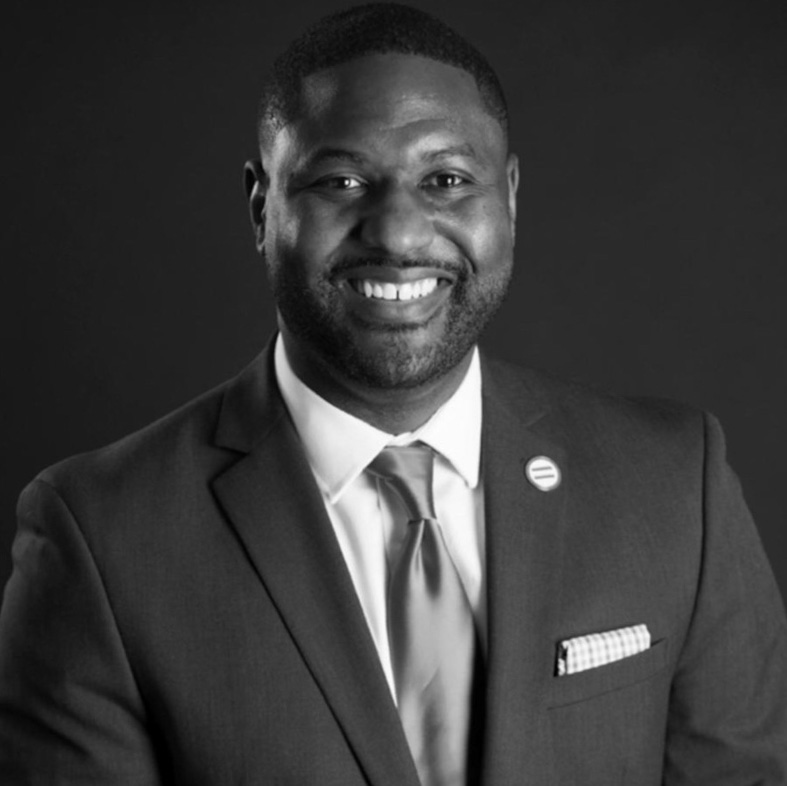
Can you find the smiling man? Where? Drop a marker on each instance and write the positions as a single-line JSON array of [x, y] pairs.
[[385, 209], [378, 556]]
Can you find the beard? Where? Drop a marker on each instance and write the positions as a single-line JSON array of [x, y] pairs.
[[316, 314]]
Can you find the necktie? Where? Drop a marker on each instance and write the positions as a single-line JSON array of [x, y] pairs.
[[430, 628]]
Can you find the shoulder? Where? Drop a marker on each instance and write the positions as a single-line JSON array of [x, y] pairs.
[[191, 440], [174, 442], [569, 405], [169, 463], [140, 489], [636, 444]]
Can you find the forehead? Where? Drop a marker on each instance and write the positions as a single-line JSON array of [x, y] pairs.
[[390, 100]]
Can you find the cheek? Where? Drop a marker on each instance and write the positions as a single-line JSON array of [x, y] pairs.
[[483, 231], [307, 236]]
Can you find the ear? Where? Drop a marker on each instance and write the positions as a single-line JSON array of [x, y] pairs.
[[255, 182], [512, 174]]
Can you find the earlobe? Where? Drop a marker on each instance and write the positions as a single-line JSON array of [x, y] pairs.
[[255, 182], [512, 172]]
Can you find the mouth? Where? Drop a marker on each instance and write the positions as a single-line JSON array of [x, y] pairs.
[[397, 295], [388, 290]]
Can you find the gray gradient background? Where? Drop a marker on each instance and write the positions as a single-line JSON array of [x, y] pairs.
[[652, 230]]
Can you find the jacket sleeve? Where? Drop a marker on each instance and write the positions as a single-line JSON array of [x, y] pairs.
[[70, 711], [728, 707]]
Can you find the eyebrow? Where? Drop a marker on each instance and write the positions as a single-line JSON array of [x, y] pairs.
[[333, 154], [328, 154], [465, 150]]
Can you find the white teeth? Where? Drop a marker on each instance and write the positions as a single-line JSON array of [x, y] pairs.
[[428, 285], [409, 290]]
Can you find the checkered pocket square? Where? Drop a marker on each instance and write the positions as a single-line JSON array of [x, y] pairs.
[[598, 649]]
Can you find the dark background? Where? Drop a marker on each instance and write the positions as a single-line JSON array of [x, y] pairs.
[[652, 232]]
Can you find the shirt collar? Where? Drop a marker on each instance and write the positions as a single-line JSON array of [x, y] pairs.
[[340, 446]]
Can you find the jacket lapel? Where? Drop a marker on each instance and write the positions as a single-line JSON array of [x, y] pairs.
[[271, 499], [524, 546]]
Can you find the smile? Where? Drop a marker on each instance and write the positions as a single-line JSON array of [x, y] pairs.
[[387, 290]]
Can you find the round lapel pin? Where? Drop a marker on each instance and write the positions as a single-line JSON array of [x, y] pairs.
[[543, 473]]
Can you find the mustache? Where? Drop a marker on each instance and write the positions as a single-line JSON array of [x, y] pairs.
[[457, 269]]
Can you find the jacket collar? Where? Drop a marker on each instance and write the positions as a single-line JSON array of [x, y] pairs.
[[251, 405]]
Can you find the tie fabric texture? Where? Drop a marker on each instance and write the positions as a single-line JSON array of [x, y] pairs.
[[431, 631]]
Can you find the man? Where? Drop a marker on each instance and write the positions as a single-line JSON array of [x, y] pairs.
[[249, 590]]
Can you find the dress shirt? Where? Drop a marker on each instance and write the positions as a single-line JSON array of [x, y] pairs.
[[368, 521]]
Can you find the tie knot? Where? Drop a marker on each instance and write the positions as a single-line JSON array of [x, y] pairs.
[[408, 471]]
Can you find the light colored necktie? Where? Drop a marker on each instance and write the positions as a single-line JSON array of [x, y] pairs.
[[430, 629]]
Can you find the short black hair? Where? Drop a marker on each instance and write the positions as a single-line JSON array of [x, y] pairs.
[[376, 28]]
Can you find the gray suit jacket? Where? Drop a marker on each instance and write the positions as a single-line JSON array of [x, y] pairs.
[[180, 612]]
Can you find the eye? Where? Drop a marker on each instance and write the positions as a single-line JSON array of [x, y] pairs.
[[445, 180], [340, 182]]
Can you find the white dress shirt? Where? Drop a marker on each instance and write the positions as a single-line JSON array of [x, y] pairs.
[[369, 522]]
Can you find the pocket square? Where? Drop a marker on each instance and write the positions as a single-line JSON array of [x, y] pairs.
[[598, 649]]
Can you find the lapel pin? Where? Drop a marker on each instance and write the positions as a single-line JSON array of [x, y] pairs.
[[543, 473]]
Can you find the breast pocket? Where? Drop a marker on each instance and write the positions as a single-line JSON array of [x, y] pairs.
[[584, 685]]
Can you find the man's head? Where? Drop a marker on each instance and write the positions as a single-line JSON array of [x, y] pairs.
[[384, 202]]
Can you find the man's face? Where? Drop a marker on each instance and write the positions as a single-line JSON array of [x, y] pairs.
[[388, 221]]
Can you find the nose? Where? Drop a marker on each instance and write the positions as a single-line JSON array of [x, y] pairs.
[[397, 222]]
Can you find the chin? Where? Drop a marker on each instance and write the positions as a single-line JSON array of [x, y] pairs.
[[399, 361]]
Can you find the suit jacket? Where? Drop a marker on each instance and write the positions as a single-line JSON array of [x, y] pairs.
[[180, 612]]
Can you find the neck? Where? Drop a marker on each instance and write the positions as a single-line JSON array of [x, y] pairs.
[[394, 410]]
